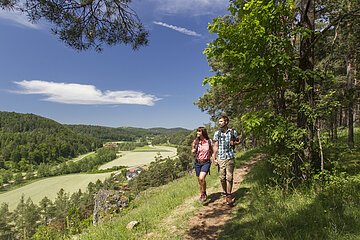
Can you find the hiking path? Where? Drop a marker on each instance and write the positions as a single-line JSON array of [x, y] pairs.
[[208, 221]]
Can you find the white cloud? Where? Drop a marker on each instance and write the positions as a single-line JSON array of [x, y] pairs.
[[17, 19], [73, 93], [192, 7], [179, 29]]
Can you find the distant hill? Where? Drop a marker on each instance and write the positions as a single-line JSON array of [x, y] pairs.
[[125, 133], [168, 130], [40, 140], [19, 122]]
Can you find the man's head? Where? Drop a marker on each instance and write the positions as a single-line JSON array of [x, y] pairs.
[[223, 121]]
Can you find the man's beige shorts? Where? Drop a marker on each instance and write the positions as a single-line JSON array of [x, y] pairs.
[[226, 169]]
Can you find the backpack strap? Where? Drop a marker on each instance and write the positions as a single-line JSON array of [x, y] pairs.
[[210, 147], [219, 135], [196, 145]]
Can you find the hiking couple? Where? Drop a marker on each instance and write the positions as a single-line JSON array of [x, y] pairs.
[[221, 149]]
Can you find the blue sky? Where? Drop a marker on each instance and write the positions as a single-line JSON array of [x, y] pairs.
[[154, 86]]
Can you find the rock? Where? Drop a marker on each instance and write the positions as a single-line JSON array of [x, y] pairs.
[[132, 224], [107, 203]]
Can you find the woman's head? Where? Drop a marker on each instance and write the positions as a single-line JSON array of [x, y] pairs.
[[201, 131]]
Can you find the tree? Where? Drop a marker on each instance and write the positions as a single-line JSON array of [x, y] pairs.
[[61, 205], [348, 32], [5, 222], [47, 210], [255, 65], [26, 217], [86, 24], [266, 75]]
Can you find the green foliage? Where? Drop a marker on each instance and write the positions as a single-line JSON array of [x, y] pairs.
[[45, 232], [5, 222], [26, 217], [129, 146], [266, 76], [27, 139], [128, 134], [85, 24], [160, 173]]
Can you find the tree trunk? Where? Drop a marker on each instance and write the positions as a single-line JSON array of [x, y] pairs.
[[306, 87], [350, 70]]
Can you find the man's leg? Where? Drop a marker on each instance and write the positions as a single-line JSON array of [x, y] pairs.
[[222, 175], [230, 165]]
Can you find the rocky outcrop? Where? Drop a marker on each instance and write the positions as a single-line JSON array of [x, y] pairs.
[[108, 203], [131, 225]]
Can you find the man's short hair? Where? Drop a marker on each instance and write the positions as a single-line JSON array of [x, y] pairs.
[[226, 118]]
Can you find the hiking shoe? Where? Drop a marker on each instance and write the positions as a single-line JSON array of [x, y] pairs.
[[229, 200], [202, 198]]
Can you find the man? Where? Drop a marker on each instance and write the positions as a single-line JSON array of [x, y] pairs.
[[224, 142]]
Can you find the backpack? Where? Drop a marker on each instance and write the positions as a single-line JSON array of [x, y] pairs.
[[232, 137]]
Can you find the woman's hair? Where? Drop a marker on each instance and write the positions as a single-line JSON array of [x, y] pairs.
[[204, 132]]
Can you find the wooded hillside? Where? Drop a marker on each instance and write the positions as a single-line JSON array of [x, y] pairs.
[[40, 140], [125, 133]]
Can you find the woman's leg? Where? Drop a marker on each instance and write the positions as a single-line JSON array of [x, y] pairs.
[[202, 182]]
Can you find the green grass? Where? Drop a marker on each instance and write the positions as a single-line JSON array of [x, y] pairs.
[[341, 156]]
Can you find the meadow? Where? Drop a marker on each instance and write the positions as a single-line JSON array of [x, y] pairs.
[[140, 156], [49, 187]]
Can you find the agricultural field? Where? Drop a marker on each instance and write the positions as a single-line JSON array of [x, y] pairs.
[[141, 156], [49, 187]]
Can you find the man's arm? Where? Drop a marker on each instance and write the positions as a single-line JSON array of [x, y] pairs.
[[215, 150]]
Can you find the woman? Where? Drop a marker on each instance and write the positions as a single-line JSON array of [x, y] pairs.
[[202, 150]]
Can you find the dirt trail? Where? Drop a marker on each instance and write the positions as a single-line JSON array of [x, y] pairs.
[[208, 221]]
